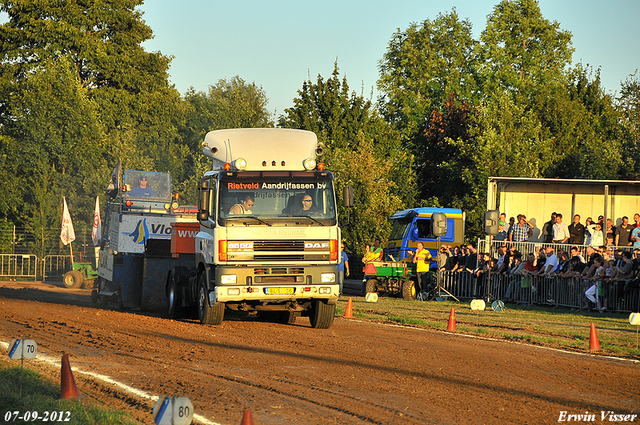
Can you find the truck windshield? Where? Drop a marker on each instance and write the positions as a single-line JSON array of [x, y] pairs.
[[399, 229], [147, 185], [299, 197]]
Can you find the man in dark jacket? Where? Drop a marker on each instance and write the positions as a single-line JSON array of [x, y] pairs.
[[576, 231], [547, 229]]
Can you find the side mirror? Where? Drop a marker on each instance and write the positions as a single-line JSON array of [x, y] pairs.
[[491, 219], [347, 197], [438, 224], [203, 200]]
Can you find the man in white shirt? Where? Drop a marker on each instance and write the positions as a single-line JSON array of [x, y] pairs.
[[551, 264], [560, 230]]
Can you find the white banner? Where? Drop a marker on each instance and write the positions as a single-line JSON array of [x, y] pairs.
[[96, 233], [67, 234]]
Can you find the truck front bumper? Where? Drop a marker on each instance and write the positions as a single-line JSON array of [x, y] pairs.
[[275, 283]]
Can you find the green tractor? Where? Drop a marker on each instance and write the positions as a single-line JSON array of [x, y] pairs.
[[394, 279], [81, 273]]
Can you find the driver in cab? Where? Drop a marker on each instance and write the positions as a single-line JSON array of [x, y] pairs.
[[243, 207]]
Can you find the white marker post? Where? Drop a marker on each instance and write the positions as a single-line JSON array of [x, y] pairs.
[[173, 411], [21, 349], [634, 319]]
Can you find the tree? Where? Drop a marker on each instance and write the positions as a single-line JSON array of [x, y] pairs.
[[506, 105], [54, 145], [581, 124], [78, 92], [521, 51], [628, 106], [360, 149], [422, 66]]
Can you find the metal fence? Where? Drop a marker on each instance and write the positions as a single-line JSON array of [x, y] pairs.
[[53, 267], [18, 266], [24, 256], [618, 296]]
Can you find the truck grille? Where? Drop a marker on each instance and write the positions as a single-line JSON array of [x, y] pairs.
[[292, 245], [282, 250], [281, 257]]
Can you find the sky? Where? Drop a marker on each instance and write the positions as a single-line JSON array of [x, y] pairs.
[[278, 44]]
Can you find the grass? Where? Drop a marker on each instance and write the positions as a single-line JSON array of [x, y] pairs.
[[27, 391], [553, 327]]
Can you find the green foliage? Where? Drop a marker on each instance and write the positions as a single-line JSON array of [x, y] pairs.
[[628, 106], [521, 51], [361, 150], [423, 65], [78, 93], [505, 105]]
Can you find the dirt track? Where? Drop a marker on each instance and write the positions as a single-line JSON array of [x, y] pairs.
[[353, 373]]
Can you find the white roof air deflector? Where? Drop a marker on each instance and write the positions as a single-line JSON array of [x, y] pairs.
[[263, 149]]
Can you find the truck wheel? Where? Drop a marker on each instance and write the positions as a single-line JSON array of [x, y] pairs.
[[322, 315], [289, 317], [174, 305], [208, 315], [409, 290], [73, 279]]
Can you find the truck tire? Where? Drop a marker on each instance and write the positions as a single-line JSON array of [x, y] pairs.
[[73, 279], [208, 315], [371, 286], [409, 290], [289, 317], [174, 308], [322, 314]]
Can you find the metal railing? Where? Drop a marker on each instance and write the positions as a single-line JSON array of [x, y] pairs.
[[53, 267], [620, 296], [18, 266]]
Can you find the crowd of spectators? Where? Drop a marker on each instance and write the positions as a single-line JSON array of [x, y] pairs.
[[612, 268], [555, 230]]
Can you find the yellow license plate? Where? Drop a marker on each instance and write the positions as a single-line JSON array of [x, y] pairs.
[[280, 291]]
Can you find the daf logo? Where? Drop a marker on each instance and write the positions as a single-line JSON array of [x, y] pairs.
[[316, 245]]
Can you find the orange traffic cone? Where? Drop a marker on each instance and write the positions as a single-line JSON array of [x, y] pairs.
[[594, 344], [451, 327], [246, 417], [348, 313], [68, 387]]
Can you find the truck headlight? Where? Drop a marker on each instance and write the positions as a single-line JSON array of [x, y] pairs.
[[309, 164], [228, 279], [324, 290], [328, 278], [233, 291], [240, 164]]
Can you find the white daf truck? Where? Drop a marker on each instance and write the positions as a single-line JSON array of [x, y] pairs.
[[269, 237]]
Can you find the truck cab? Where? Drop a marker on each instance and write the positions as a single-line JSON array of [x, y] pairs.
[[413, 225], [269, 237]]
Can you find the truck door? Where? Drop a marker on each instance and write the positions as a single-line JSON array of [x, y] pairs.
[[422, 229]]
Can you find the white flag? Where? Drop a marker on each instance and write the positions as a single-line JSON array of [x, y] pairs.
[[96, 233], [67, 234]]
